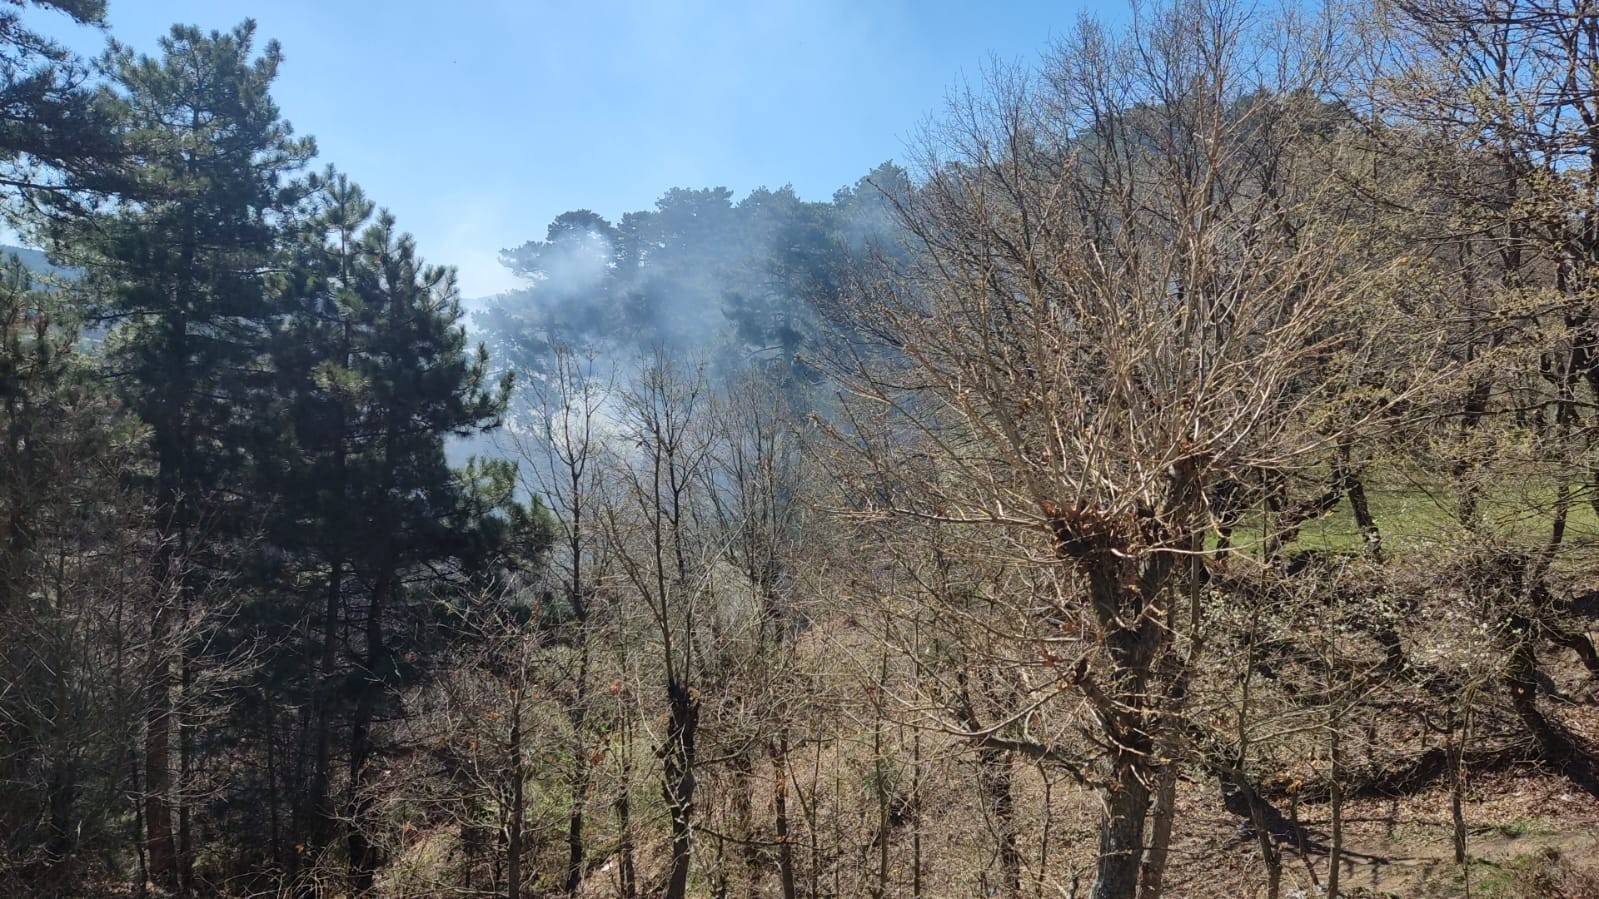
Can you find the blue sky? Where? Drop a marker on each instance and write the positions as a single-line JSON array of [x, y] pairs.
[[479, 121]]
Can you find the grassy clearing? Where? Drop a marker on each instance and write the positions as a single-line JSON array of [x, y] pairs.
[[1521, 827], [1535, 875], [1416, 512]]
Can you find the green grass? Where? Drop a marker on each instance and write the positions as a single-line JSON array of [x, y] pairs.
[[1520, 827], [1515, 828], [1415, 513], [1530, 876]]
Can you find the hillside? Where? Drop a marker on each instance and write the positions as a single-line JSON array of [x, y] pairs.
[[1177, 475]]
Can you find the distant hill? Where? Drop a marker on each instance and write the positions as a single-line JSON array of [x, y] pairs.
[[35, 260]]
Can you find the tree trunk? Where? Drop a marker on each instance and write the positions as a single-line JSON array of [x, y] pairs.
[[578, 714], [1457, 808], [63, 833], [319, 801], [162, 850], [1335, 853], [276, 831], [994, 777], [683, 721], [1121, 830], [160, 681], [785, 848], [574, 820], [1577, 641], [1355, 489], [1560, 748], [624, 819], [1270, 855], [185, 762], [363, 854], [1164, 812], [744, 821], [140, 844], [1123, 599], [513, 850]]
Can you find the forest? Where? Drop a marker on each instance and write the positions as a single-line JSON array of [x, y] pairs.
[[1176, 475]]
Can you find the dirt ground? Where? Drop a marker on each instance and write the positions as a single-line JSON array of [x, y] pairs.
[[1529, 834]]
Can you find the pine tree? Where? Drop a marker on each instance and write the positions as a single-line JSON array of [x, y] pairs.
[[55, 129], [375, 375], [62, 573], [306, 466], [180, 264], [420, 386]]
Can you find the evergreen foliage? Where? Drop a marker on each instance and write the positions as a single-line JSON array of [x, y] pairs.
[[1214, 406]]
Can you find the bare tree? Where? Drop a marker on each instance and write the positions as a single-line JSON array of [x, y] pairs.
[[562, 452], [759, 500], [1117, 303], [657, 533]]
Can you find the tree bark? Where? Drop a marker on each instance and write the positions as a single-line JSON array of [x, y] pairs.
[[363, 854], [159, 843], [743, 766], [624, 820], [160, 680], [580, 769], [1121, 830], [513, 850], [578, 714], [994, 777], [785, 848], [319, 802], [682, 723], [1335, 853], [1153, 878], [1355, 489]]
